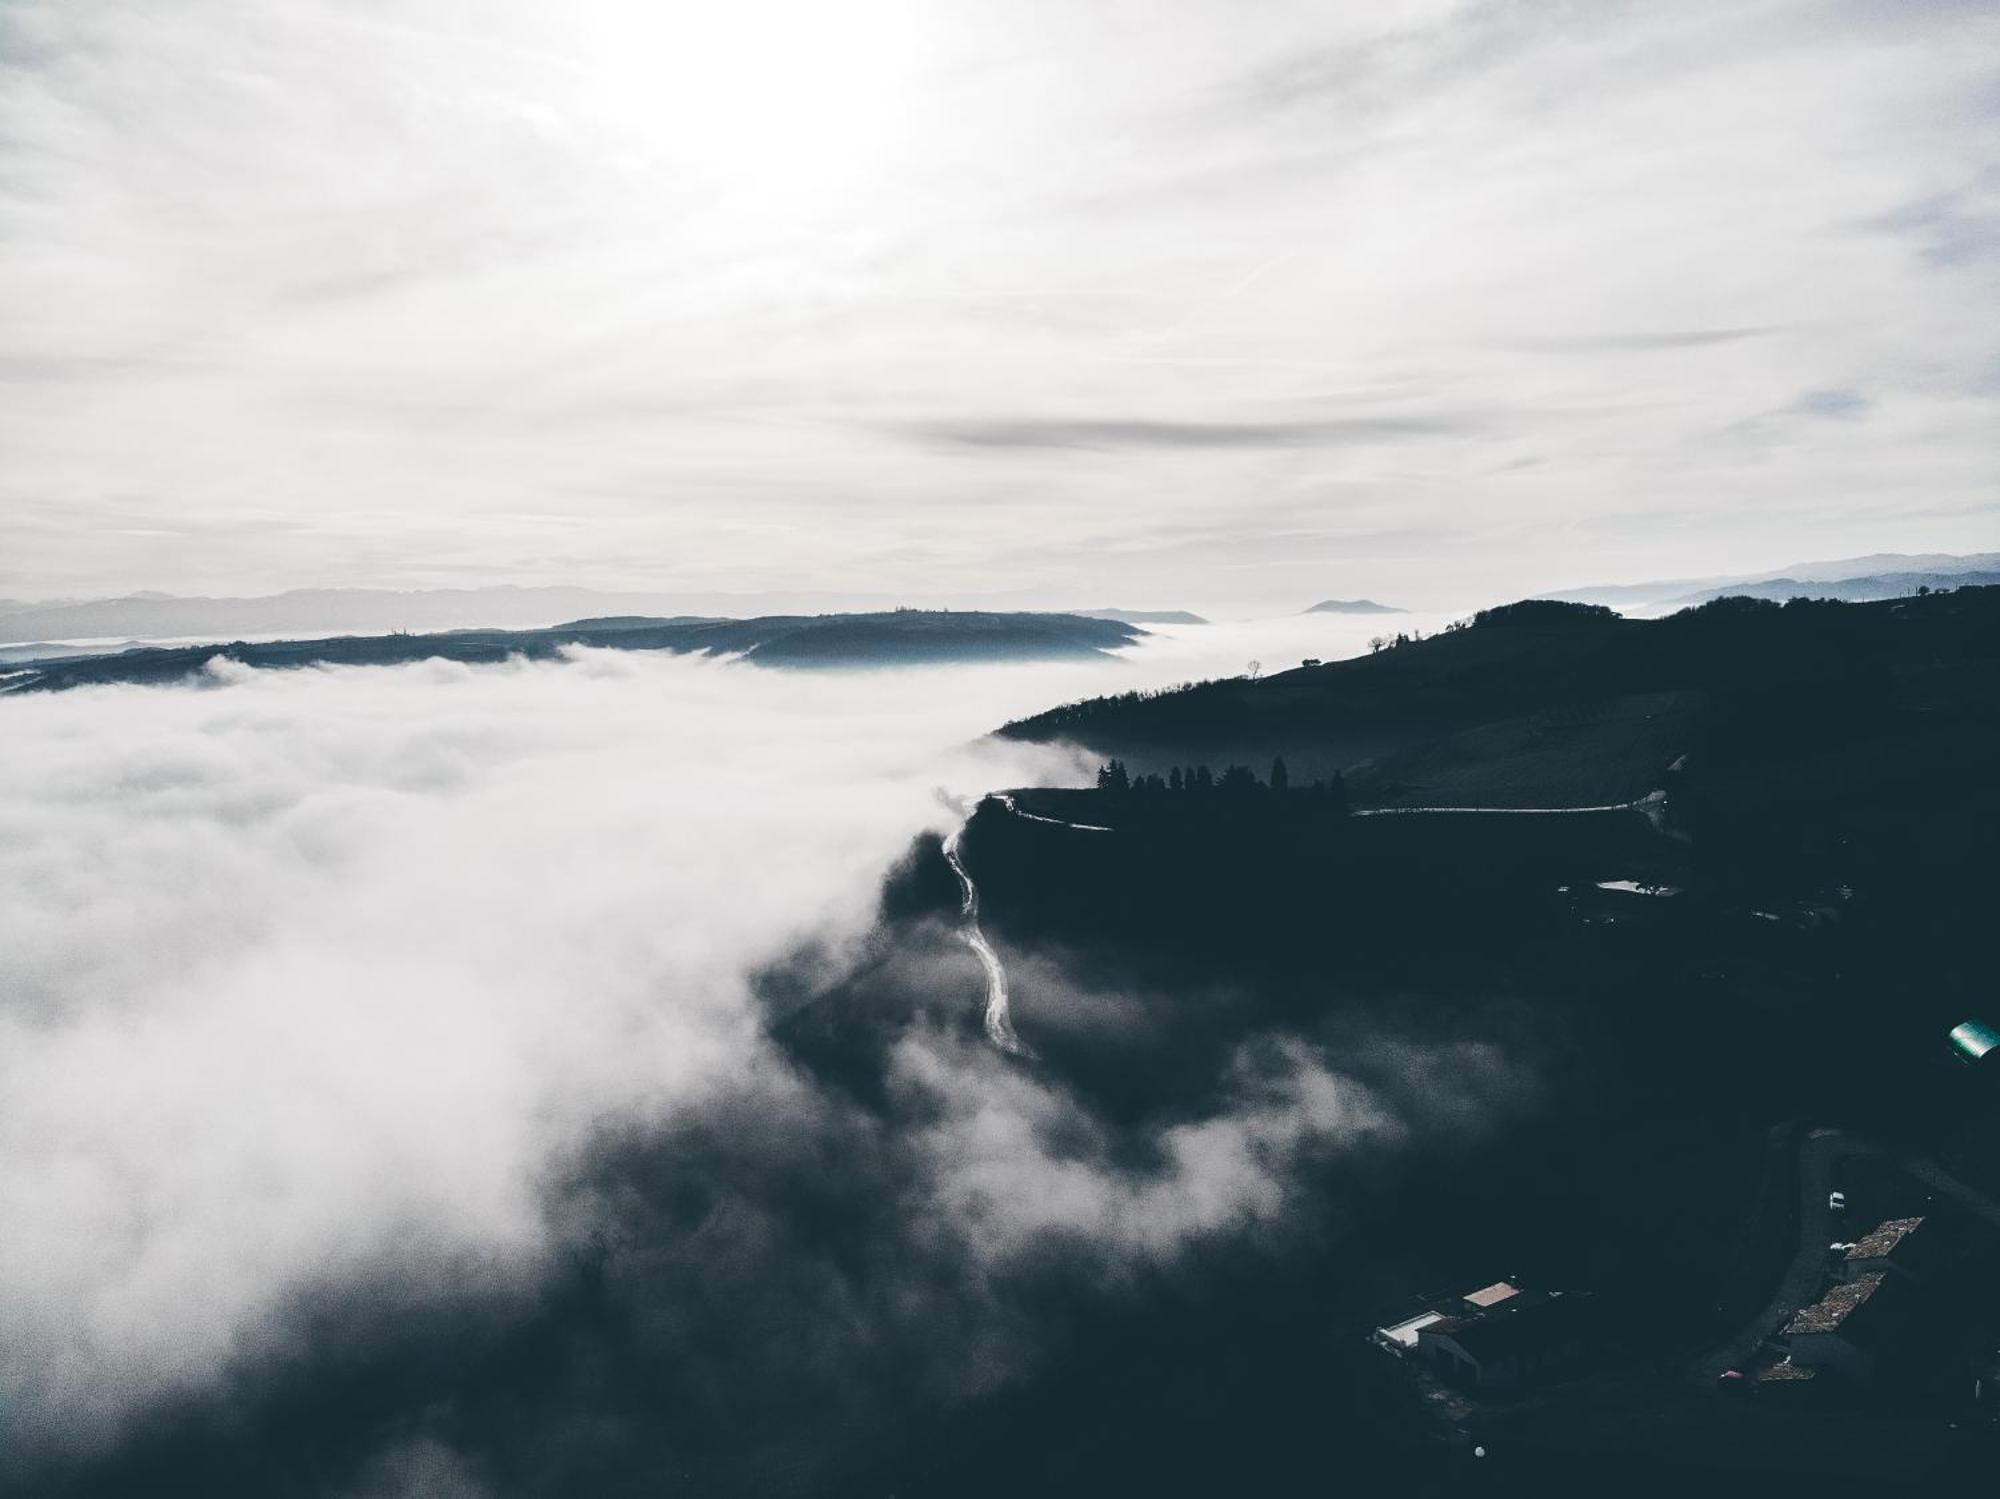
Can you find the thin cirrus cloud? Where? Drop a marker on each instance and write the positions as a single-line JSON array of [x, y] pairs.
[[1692, 338], [1128, 432]]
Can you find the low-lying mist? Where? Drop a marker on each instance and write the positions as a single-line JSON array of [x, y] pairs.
[[348, 1012]]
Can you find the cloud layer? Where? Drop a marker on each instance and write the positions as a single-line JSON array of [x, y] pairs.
[[316, 975], [336, 1005]]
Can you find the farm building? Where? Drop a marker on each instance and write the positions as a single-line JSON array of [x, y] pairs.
[[1501, 1337]]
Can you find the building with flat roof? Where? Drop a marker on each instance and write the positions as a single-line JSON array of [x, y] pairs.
[[1401, 1337], [1488, 1297], [1503, 1337]]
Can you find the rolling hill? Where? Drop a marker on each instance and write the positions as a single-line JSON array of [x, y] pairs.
[[1352, 606], [899, 638], [1544, 703]]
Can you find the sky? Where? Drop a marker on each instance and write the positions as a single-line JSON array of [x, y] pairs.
[[1155, 305]]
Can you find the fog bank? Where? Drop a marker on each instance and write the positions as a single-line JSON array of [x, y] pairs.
[[333, 985]]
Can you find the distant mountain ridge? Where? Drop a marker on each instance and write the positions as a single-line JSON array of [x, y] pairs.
[[1879, 575], [1141, 616], [1849, 590], [305, 610], [904, 637], [368, 611], [1352, 606]]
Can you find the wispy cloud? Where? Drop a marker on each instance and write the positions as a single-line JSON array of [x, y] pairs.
[[1031, 432], [1836, 405], [1593, 343]]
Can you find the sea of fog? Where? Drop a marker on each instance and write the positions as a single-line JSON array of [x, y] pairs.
[[325, 987]]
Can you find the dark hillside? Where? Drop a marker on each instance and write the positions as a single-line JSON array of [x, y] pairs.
[[1781, 940], [1760, 668], [1612, 750], [1395, 696], [911, 635]]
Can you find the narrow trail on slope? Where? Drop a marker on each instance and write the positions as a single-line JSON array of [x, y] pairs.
[[1644, 804], [999, 1018], [1056, 822], [1652, 806]]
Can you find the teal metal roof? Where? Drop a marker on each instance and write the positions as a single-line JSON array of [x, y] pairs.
[[1973, 1040]]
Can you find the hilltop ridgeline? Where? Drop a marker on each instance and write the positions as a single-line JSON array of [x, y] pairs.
[[1561, 703], [1353, 606], [903, 637]]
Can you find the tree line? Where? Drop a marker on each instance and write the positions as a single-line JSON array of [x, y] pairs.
[[1116, 779]]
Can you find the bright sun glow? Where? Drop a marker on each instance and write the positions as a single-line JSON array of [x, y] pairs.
[[777, 100]]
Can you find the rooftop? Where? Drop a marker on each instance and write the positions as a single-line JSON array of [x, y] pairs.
[[1785, 1371], [1493, 1295], [1973, 1039], [1836, 1306], [1637, 887], [1404, 1333], [1883, 1239]]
